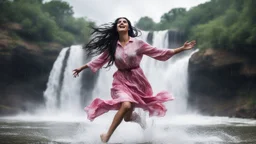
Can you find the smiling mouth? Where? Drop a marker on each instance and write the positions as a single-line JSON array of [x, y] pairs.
[[121, 26]]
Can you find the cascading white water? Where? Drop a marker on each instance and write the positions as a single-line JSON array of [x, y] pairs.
[[50, 94], [70, 88], [169, 75]]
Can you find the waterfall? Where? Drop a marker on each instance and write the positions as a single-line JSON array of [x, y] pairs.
[[63, 92], [176, 38], [70, 92], [170, 75], [53, 87]]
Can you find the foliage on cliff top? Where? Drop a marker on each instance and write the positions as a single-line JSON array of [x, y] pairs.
[[229, 24], [49, 22]]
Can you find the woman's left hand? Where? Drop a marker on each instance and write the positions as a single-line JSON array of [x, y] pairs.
[[189, 45]]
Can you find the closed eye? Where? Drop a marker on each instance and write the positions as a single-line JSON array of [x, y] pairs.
[[124, 21]]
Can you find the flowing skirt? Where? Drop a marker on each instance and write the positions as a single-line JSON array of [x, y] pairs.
[[132, 86]]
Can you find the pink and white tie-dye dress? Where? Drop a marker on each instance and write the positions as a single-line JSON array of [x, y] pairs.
[[129, 82]]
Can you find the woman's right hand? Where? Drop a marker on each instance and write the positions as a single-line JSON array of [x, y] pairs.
[[76, 72]]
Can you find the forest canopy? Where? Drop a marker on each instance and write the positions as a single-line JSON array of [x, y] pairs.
[[40, 21], [229, 24]]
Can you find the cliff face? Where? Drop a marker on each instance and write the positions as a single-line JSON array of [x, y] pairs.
[[222, 83], [24, 75], [25, 67]]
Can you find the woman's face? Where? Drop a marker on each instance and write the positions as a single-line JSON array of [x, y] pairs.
[[122, 25]]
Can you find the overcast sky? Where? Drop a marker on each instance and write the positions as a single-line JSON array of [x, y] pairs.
[[102, 11]]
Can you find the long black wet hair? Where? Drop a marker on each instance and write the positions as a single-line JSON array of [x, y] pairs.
[[105, 37]]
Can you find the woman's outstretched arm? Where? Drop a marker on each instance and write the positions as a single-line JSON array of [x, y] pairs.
[[94, 65], [162, 54], [187, 46]]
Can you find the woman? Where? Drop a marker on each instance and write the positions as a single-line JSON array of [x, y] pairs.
[[130, 88]]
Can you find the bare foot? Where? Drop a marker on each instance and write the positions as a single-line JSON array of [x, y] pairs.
[[104, 138]]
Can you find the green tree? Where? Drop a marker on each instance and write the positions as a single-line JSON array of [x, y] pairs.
[[145, 23], [59, 10], [173, 14], [6, 11], [228, 24]]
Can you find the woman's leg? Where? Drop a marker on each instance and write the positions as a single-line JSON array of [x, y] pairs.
[[128, 115], [125, 107]]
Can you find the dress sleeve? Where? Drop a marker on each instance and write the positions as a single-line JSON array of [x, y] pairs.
[[99, 62], [161, 54]]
